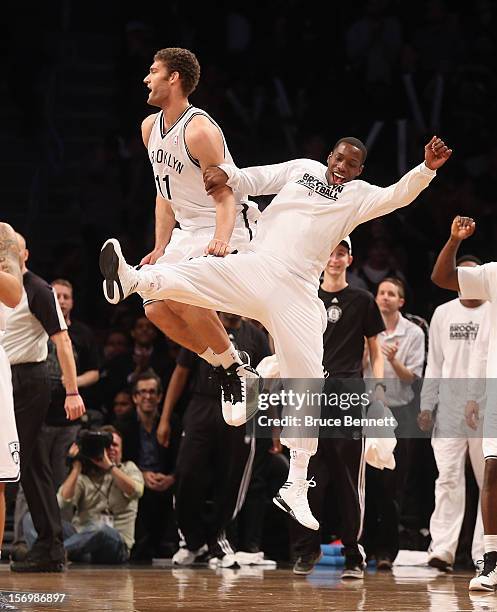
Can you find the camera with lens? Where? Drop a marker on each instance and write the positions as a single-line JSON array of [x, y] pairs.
[[91, 444]]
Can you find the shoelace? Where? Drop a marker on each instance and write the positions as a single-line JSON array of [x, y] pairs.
[[302, 491], [488, 566], [231, 385]]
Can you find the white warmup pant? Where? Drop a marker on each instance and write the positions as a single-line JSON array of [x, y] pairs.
[[186, 244], [258, 286], [9, 441], [450, 495]]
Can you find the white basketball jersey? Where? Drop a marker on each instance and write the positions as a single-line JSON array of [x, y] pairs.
[[178, 177], [4, 314]]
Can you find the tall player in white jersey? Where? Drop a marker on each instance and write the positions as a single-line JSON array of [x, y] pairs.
[[10, 296], [182, 141], [276, 281]]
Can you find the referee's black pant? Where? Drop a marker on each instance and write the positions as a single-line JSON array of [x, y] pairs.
[[31, 400], [214, 463], [339, 462]]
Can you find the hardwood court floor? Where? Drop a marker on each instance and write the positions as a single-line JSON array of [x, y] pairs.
[[146, 588]]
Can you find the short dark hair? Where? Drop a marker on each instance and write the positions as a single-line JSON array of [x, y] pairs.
[[185, 63], [397, 282], [111, 429], [149, 374], [464, 258], [355, 142]]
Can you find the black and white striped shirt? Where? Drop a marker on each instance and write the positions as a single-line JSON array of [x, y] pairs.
[[37, 317]]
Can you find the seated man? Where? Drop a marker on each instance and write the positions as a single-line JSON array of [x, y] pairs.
[[104, 494]]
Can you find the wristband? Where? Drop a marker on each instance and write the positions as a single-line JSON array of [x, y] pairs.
[[72, 394]]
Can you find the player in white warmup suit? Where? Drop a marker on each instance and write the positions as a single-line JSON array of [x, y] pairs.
[[479, 283], [276, 280], [10, 295]]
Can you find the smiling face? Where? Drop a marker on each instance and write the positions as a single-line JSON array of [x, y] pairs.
[[339, 261], [344, 164], [147, 396]]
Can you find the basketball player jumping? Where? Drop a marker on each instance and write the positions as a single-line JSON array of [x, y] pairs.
[[182, 141], [276, 280], [10, 296]]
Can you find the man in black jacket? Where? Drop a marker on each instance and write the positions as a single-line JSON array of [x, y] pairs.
[[154, 522]]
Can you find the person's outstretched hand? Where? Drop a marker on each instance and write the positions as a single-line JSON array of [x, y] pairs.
[[436, 153]]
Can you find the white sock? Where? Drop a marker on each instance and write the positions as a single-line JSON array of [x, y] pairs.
[[210, 356], [229, 357], [299, 460], [490, 543]]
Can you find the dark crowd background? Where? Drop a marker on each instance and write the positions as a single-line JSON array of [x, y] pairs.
[[284, 80]]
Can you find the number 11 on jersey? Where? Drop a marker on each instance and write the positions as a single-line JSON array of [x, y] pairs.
[[166, 182]]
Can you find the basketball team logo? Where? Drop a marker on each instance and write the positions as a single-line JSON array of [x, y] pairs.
[[334, 313], [14, 451]]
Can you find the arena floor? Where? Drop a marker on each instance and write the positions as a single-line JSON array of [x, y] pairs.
[[144, 588]]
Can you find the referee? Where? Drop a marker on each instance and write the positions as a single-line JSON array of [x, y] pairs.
[[352, 316], [36, 319]]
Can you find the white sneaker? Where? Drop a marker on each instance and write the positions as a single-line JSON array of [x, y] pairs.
[[121, 279], [487, 578], [292, 498], [239, 393], [187, 557], [227, 560]]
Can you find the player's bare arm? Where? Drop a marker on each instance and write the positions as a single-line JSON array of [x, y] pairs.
[[205, 143], [10, 267], [445, 272], [147, 125], [164, 215]]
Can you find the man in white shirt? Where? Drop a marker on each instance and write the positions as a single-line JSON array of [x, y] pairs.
[[403, 347], [479, 282], [454, 328], [276, 280]]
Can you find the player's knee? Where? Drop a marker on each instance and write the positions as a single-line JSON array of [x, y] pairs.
[[158, 313], [490, 478], [178, 308]]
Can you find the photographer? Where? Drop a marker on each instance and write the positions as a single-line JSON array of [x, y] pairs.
[[104, 494]]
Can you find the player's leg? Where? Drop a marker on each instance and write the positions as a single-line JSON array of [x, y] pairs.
[[297, 330], [197, 329], [487, 578], [235, 283], [450, 494], [2, 513], [478, 464]]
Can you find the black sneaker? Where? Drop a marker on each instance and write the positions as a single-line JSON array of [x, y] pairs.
[[353, 570], [440, 564], [38, 564], [19, 552], [239, 393], [384, 564], [487, 578], [305, 564]]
